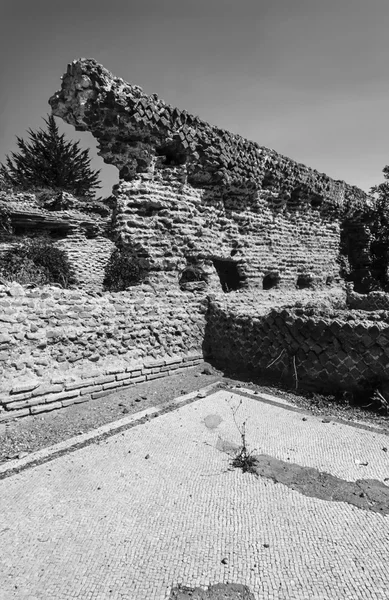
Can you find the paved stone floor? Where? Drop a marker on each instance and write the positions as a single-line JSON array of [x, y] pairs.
[[133, 516]]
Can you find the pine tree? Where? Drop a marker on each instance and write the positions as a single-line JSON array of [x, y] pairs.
[[47, 160]]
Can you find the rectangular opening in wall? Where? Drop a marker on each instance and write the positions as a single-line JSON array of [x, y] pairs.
[[229, 275]]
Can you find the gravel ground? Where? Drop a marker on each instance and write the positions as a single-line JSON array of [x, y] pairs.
[[40, 431], [318, 404]]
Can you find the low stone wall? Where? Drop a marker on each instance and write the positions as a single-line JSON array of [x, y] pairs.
[[303, 347], [32, 396], [369, 302], [59, 345]]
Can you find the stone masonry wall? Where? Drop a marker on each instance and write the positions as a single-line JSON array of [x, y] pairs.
[[369, 302], [63, 346], [191, 191], [88, 259], [171, 224], [304, 347], [82, 234], [59, 347]]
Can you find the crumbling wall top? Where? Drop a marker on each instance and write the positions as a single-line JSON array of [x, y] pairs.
[[136, 132]]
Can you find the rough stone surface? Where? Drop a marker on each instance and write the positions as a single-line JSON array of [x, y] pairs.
[[73, 225], [191, 192], [57, 344], [321, 349], [204, 210], [369, 302], [61, 345]]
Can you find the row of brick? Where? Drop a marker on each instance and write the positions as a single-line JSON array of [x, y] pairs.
[[32, 397], [325, 355]]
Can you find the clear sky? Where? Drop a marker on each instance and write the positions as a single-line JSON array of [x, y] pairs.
[[308, 78]]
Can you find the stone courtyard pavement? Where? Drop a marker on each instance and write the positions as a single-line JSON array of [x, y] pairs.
[[158, 505]]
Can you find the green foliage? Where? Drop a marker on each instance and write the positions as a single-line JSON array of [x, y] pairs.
[[47, 160], [4, 185], [122, 271], [244, 459], [36, 261], [5, 218]]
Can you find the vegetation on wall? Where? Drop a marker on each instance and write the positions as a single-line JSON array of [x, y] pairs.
[[5, 218], [35, 261], [380, 232], [364, 245], [123, 270], [48, 160]]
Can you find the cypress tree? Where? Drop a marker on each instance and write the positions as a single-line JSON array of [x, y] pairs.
[[48, 160]]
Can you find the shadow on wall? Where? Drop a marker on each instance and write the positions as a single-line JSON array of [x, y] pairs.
[[271, 280], [230, 277], [305, 348]]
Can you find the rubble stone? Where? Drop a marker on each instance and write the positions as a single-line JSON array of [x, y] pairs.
[[191, 193]]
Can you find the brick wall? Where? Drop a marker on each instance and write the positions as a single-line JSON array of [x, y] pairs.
[[56, 345], [369, 302], [59, 347], [170, 223], [192, 191], [88, 259], [323, 350]]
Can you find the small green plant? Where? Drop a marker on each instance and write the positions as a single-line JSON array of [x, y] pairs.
[[36, 261], [244, 459], [123, 270], [22, 270], [378, 403], [5, 218]]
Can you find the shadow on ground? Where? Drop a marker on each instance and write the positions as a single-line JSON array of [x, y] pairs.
[[220, 591]]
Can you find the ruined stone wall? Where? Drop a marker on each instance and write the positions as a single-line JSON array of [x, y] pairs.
[[369, 302], [172, 224], [193, 191], [81, 234], [57, 345], [306, 348], [88, 258]]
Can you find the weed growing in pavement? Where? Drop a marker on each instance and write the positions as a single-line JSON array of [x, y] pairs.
[[379, 403], [244, 458]]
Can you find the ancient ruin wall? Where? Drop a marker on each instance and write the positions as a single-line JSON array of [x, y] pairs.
[[305, 348], [190, 191], [373, 301], [58, 346], [82, 234]]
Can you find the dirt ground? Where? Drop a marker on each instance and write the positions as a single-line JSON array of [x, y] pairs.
[[33, 433]]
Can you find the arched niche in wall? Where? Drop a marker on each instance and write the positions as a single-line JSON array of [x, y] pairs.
[[229, 275], [271, 280], [304, 281], [193, 277]]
